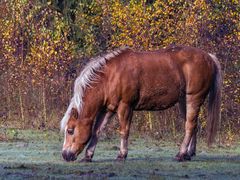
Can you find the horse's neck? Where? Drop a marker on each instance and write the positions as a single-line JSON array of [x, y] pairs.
[[93, 102]]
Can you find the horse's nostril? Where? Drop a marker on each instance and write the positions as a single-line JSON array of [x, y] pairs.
[[64, 155], [72, 157], [68, 156]]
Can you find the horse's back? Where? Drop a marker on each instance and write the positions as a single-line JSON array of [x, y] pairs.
[[156, 80], [193, 68]]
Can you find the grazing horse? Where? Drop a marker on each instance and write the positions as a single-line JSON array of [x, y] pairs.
[[124, 80]]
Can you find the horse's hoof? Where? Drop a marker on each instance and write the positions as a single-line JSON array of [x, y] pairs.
[[182, 157], [191, 154], [121, 158], [86, 160]]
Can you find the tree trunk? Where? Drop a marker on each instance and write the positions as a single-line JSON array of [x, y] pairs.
[[8, 100], [173, 127], [44, 104], [21, 106], [149, 118]]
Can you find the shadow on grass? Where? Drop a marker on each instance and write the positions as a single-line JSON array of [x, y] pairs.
[[198, 158], [217, 158]]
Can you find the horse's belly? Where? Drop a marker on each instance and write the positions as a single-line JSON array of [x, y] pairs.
[[156, 98]]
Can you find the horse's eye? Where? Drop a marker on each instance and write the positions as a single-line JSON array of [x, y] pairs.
[[70, 131]]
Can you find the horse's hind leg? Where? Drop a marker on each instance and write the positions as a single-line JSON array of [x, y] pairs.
[[192, 145], [182, 107], [125, 116], [101, 121], [193, 105]]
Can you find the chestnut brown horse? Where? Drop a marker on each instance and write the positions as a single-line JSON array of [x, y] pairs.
[[122, 81]]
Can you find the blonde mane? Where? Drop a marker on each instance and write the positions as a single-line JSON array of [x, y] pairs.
[[85, 79]]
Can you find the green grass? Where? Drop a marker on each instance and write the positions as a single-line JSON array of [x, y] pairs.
[[37, 155]]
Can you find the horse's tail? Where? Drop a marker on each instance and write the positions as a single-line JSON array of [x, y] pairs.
[[214, 104]]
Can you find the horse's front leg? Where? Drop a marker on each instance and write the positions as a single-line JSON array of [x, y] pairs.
[[125, 116], [101, 121]]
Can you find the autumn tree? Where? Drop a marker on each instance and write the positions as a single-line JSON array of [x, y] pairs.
[[35, 53]]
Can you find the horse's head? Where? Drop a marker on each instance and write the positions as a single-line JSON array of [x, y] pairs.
[[77, 134]]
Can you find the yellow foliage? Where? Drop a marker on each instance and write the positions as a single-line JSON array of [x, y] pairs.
[[31, 43]]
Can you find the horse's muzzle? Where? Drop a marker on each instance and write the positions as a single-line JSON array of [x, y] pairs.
[[68, 156]]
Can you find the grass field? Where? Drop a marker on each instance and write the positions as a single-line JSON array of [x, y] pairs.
[[37, 155]]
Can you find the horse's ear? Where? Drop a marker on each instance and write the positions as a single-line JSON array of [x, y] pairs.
[[74, 113]]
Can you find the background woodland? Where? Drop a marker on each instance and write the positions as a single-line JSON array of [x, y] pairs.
[[45, 43]]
